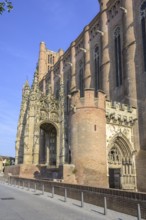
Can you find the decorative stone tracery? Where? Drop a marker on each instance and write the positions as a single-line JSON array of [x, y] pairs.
[[120, 147]]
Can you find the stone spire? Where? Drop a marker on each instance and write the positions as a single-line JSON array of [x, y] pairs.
[[21, 124], [35, 84], [26, 89]]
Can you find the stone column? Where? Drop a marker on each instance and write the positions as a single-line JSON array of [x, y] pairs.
[[105, 59], [129, 53], [62, 136], [73, 69], [36, 147], [87, 76]]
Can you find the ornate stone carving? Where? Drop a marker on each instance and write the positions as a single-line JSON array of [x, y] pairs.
[[120, 114], [54, 117], [44, 115]]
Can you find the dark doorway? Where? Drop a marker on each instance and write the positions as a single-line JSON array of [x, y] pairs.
[[48, 144], [114, 178]]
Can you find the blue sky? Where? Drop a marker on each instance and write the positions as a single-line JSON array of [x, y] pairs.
[[57, 23]]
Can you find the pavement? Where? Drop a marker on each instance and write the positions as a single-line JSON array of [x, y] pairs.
[[23, 204]]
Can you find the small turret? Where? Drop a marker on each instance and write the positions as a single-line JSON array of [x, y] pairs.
[[103, 4], [35, 84], [42, 64]]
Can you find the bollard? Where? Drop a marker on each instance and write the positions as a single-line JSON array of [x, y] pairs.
[[105, 206], [43, 189], [65, 195], [23, 185], [28, 187], [82, 199], [35, 187], [52, 191], [138, 212]]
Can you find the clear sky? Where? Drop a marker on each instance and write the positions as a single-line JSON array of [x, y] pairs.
[[57, 23]]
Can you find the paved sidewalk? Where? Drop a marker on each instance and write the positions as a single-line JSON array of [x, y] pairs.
[[76, 205]]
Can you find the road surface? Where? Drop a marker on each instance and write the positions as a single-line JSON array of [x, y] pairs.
[[20, 204]]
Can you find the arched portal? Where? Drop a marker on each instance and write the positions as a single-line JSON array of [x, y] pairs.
[[121, 165], [48, 145]]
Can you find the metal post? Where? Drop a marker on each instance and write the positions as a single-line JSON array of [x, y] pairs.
[[82, 199], [23, 185], [43, 189], [65, 195], [138, 212], [35, 187], [28, 186], [52, 191], [105, 206]]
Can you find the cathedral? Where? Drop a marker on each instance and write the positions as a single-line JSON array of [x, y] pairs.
[[83, 120]]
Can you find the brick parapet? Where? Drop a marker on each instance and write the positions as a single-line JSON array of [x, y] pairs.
[[88, 101]]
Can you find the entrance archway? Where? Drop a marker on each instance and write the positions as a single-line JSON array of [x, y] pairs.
[[121, 165], [48, 145]]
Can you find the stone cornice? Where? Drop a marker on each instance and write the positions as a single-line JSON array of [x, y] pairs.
[[120, 114]]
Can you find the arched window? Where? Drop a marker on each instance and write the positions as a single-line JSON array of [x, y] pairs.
[[81, 79], [97, 82], [57, 89], [143, 26], [118, 61]]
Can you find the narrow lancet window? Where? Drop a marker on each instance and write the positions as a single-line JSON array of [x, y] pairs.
[[118, 58], [143, 26]]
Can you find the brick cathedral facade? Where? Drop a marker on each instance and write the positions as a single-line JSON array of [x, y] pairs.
[[83, 120]]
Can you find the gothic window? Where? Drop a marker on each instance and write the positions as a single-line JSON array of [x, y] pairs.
[[41, 86], [50, 59], [81, 79], [143, 26], [97, 70], [57, 89], [118, 60]]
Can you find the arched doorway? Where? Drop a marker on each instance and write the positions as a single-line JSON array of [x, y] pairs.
[[121, 165], [48, 145]]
